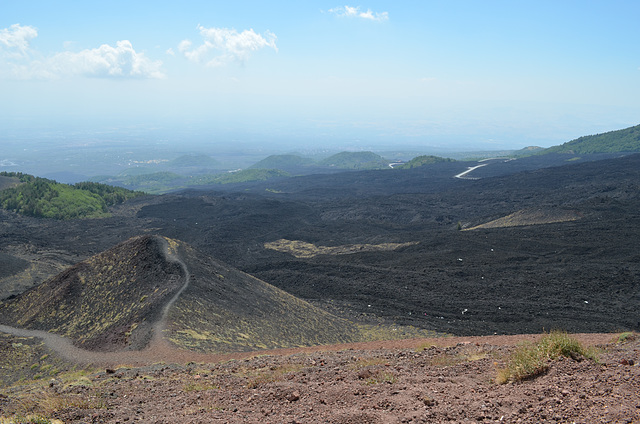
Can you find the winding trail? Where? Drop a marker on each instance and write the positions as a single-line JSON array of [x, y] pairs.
[[157, 340]]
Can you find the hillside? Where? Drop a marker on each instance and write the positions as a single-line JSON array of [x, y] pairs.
[[625, 140]]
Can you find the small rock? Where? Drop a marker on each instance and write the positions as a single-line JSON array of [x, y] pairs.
[[292, 397], [364, 374]]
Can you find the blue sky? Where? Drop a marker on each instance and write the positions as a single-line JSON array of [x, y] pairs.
[[448, 73]]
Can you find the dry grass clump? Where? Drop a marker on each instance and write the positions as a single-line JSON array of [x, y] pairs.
[[532, 359], [627, 336], [33, 408], [32, 419]]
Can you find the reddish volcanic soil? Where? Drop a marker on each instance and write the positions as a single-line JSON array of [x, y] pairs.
[[413, 381]]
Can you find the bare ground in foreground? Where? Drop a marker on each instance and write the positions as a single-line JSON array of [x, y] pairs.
[[409, 381]]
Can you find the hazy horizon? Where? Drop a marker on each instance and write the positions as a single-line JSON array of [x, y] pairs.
[[432, 76]]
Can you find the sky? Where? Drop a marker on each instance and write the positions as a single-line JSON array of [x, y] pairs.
[[443, 73]]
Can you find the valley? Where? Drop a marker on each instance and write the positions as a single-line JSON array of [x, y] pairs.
[[522, 279], [374, 263]]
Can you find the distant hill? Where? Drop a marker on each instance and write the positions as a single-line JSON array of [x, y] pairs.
[[201, 161], [356, 160], [282, 162], [113, 301], [423, 160], [43, 198], [625, 140]]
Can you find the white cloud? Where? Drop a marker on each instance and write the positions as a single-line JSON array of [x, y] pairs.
[[106, 61], [355, 12], [15, 39], [222, 45]]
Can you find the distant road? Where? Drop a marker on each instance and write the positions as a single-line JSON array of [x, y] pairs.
[[463, 175]]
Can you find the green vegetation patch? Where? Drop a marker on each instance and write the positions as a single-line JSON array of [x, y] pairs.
[[43, 198]]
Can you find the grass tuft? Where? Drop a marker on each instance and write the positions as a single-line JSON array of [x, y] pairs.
[[532, 359]]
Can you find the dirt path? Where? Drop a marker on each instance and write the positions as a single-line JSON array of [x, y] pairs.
[[163, 352], [158, 341]]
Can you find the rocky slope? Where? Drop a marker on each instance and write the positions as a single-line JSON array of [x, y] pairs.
[[413, 381]]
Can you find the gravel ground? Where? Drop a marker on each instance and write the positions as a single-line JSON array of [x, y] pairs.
[[412, 381]]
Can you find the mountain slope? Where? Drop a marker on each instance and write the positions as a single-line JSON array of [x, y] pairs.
[[224, 309]]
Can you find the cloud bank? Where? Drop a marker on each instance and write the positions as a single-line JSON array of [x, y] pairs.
[[222, 46], [355, 12]]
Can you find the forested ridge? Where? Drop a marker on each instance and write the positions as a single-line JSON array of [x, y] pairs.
[[625, 140], [44, 198]]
